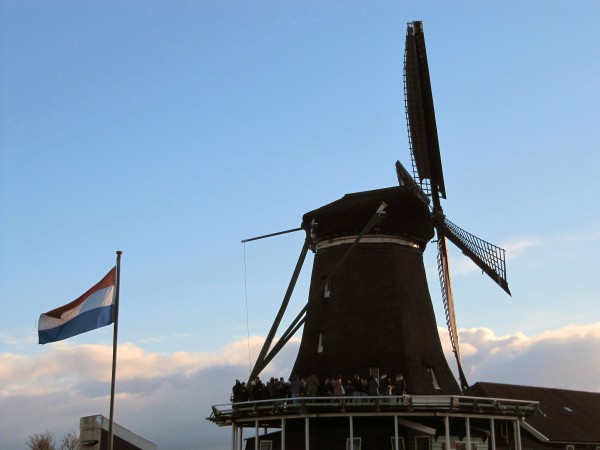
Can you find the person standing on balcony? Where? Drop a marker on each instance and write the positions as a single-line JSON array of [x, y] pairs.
[[312, 385]]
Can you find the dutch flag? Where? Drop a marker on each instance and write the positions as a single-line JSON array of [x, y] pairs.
[[92, 310]]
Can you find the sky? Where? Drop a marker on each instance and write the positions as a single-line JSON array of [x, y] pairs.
[[173, 131]]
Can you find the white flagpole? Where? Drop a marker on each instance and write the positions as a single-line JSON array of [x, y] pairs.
[[114, 360]]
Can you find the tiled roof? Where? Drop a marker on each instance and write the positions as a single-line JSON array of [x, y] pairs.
[[565, 416]]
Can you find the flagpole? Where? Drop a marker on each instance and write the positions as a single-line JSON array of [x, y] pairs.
[[114, 359]]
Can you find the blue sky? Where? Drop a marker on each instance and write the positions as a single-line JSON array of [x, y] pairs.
[[173, 131]]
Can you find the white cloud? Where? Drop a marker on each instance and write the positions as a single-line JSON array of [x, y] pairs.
[[166, 397], [163, 397], [23, 339], [563, 358], [516, 248], [586, 236], [62, 365]]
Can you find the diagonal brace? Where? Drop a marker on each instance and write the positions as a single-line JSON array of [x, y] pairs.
[[282, 308], [264, 358]]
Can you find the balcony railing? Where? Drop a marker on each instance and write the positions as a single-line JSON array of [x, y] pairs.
[[272, 408]]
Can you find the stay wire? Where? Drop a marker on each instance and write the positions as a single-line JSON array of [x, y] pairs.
[[247, 315]]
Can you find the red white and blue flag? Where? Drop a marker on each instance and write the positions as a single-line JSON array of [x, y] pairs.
[[92, 310]]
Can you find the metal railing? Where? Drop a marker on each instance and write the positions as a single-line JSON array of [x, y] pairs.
[[225, 413]]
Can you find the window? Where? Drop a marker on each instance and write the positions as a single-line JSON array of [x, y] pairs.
[[434, 379], [569, 447], [327, 290], [463, 445], [374, 371], [422, 443], [504, 429], [355, 443], [400, 443], [320, 345], [265, 445]]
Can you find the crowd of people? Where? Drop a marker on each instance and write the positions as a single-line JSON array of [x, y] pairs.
[[311, 386]]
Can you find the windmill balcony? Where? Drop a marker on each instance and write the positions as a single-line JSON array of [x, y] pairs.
[[266, 410]]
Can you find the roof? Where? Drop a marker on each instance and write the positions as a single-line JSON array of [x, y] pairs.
[[96, 428], [406, 215], [565, 416]]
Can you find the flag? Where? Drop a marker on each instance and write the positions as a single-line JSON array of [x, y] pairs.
[[92, 310]]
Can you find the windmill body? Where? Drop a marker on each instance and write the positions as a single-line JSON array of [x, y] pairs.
[[375, 314]]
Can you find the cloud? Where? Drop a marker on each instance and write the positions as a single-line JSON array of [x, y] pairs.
[[28, 339], [62, 365], [163, 397], [516, 248], [564, 358], [166, 397], [586, 236]]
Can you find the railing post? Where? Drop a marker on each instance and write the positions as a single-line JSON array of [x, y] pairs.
[[351, 432], [396, 443], [517, 434], [256, 444], [447, 430], [493, 433], [233, 436], [468, 427], [306, 434]]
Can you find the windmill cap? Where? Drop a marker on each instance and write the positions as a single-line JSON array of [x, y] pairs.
[[405, 215]]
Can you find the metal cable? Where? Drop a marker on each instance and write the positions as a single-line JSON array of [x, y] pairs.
[[247, 315]]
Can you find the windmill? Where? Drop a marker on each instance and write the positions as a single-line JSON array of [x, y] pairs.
[[369, 308], [369, 311]]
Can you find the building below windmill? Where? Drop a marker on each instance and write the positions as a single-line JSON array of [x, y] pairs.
[[94, 435], [495, 417], [566, 419]]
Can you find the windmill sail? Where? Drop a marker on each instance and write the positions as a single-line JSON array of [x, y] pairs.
[[420, 113], [448, 298], [427, 169], [404, 179], [489, 258]]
